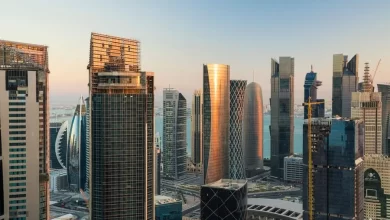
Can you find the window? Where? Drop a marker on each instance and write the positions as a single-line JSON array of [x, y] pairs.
[[17, 138], [17, 184], [17, 115], [17, 155], [17, 150], [17, 126], [17, 132], [17, 109], [18, 190], [17, 103], [17, 161], [17, 121]]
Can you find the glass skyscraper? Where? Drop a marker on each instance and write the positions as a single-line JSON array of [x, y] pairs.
[[196, 128], [122, 131], [384, 89], [282, 113], [216, 113], [236, 160], [345, 81], [310, 90], [76, 153], [174, 134], [25, 131], [58, 144], [338, 182]]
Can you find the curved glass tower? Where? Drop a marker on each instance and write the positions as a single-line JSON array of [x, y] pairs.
[[252, 128], [60, 145], [76, 154], [216, 110]]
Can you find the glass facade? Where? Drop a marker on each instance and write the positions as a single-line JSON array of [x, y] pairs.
[[338, 182], [236, 160], [252, 130], [384, 89], [310, 90], [224, 199], [58, 144], [282, 113], [76, 153], [121, 131], [196, 128], [216, 113], [174, 135], [169, 211], [87, 144]]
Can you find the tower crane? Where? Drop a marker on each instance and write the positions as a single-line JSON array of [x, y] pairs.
[[376, 69], [309, 104]]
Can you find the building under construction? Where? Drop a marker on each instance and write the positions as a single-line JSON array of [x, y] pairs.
[[337, 169], [24, 131]]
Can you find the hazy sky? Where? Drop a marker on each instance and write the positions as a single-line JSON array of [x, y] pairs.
[[177, 37]]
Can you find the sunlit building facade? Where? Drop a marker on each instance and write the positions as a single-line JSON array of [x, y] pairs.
[[25, 131], [76, 153], [252, 129], [216, 113], [122, 155], [282, 113]]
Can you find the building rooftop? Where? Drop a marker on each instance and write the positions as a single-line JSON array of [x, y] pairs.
[[276, 207], [158, 200], [227, 184]]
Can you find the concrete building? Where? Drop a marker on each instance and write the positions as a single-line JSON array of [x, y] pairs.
[[272, 209], [196, 128], [24, 129], [345, 81], [175, 133], [216, 113], [384, 89], [122, 156], [282, 113], [293, 168], [58, 180], [168, 208], [224, 199], [337, 158], [236, 160], [252, 129]]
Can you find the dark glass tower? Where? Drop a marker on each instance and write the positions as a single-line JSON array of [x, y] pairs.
[[345, 81], [338, 182], [196, 128], [122, 131], [76, 153], [58, 144], [310, 90], [384, 89], [282, 113]]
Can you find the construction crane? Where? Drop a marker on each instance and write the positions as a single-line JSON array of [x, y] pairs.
[[376, 69], [309, 104], [84, 197]]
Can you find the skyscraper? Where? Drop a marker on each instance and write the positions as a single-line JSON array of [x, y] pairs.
[[196, 128], [310, 90], [174, 135], [367, 105], [87, 145], [122, 132], [76, 153], [384, 89], [58, 144], [345, 81], [25, 140], [252, 129], [236, 154], [216, 113], [282, 113], [337, 156]]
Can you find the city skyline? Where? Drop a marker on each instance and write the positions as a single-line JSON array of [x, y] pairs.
[[187, 52]]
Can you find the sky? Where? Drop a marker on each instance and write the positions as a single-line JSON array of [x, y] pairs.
[[178, 37]]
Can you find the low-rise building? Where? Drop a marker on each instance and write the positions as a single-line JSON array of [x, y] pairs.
[[167, 208], [260, 208], [58, 180], [293, 168]]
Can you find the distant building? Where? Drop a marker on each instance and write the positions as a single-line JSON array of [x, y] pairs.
[[174, 135], [76, 153], [58, 180], [384, 89], [293, 168], [58, 144], [260, 208], [252, 129], [224, 199], [87, 144], [236, 154], [158, 171], [196, 128], [168, 208], [282, 113], [337, 154], [216, 113], [310, 91], [345, 81]]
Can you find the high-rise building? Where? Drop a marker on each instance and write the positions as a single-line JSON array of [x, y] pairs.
[[236, 154], [25, 131], [282, 113], [216, 113], [58, 144], [252, 129], [224, 199], [158, 171], [345, 81], [87, 145], [293, 168], [367, 105], [196, 128], [121, 131], [337, 159], [384, 89], [175, 133], [76, 153], [310, 91]]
